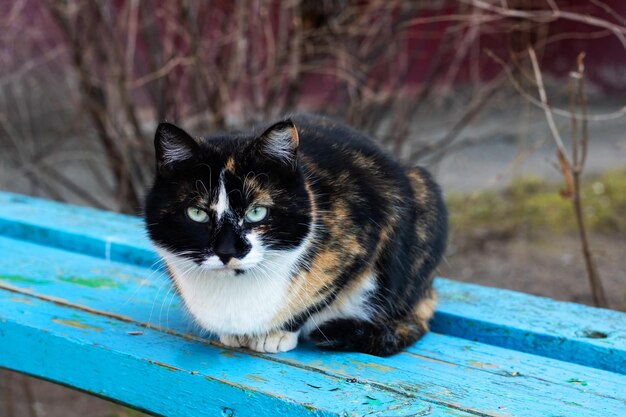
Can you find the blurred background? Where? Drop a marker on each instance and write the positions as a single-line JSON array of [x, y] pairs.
[[516, 106]]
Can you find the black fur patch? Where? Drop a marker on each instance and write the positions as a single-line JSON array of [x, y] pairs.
[[380, 339]]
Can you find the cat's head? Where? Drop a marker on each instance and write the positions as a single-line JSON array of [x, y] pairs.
[[228, 202]]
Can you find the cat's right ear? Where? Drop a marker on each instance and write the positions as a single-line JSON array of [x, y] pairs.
[[173, 146], [279, 143]]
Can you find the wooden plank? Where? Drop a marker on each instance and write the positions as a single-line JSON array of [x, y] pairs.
[[437, 370], [477, 388], [527, 323], [94, 232], [514, 364], [567, 331], [168, 375]]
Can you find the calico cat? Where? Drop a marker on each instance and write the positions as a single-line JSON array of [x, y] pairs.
[[303, 228]]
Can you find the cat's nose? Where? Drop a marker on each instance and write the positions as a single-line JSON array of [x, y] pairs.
[[225, 246], [225, 251], [224, 257]]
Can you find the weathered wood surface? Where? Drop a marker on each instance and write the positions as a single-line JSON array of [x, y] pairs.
[[83, 303]]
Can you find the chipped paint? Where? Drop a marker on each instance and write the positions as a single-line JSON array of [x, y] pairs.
[[372, 365], [577, 381], [594, 334], [465, 297], [256, 377], [91, 282], [435, 360], [22, 300], [76, 324], [482, 365], [369, 400], [165, 365], [448, 411]]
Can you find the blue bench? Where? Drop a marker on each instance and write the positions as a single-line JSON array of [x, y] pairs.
[[84, 303]]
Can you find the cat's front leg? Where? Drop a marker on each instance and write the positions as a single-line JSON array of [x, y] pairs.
[[234, 341], [279, 341]]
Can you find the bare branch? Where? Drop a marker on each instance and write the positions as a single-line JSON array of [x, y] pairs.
[[549, 16], [546, 108]]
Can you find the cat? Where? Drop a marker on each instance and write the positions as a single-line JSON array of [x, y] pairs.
[[304, 228]]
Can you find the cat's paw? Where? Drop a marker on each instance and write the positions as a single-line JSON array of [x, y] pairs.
[[234, 341], [280, 341]]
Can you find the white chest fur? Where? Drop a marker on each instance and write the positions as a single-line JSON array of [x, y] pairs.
[[226, 303]]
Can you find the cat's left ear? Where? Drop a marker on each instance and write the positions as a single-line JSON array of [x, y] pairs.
[[173, 146], [280, 143]]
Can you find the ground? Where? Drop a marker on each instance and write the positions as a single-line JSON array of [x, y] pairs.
[[550, 266], [21, 396]]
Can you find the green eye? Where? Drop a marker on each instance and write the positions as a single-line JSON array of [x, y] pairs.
[[256, 213], [197, 214]]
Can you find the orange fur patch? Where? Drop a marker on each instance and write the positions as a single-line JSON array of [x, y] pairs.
[[230, 165], [425, 309], [422, 195]]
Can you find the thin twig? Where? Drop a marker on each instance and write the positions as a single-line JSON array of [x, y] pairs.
[[559, 112], [552, 15], [597, 289], [546, 108]]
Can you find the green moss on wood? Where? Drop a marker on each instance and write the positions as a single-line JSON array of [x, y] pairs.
[[22, 279], [91, 282]]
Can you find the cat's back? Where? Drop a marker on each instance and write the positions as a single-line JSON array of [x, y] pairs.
[[336, 150], [326, 136]]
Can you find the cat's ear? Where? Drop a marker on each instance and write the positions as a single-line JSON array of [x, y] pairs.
[[172, 146], [280, 143]]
